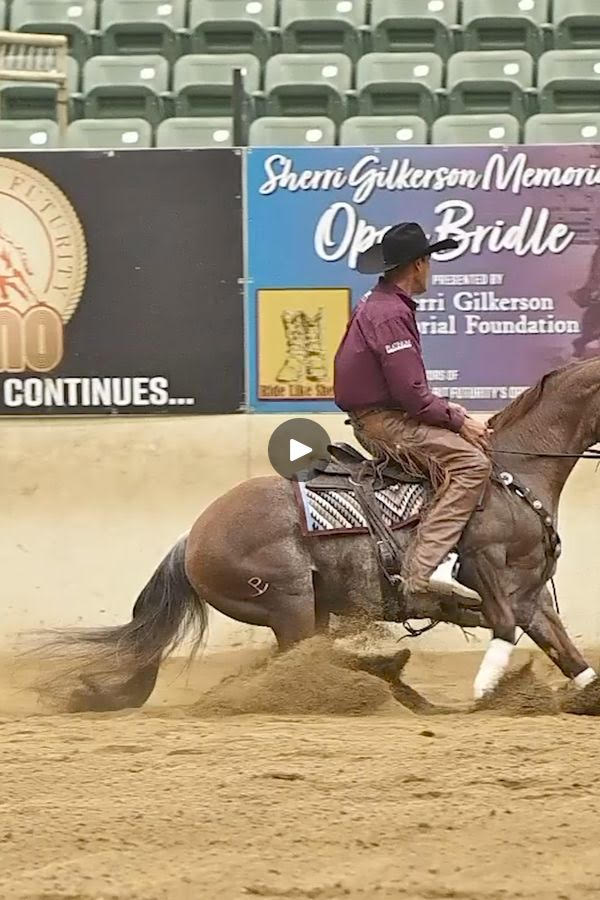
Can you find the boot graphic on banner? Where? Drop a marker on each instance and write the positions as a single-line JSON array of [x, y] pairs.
[[316, 364], [295, 353]]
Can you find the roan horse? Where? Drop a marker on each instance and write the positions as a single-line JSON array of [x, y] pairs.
[[246, 556]]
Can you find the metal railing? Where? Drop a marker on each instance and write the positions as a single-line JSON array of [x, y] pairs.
[[36, 58], [239, 110]]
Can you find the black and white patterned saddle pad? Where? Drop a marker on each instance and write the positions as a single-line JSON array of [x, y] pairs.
[[338, 511]]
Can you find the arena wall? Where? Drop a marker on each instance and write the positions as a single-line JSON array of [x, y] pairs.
[[91, 505]]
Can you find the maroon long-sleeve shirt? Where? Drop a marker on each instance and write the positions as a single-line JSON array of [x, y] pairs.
[[380, 361]]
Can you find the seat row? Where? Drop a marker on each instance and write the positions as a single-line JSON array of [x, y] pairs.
[[321, 84], [261, 27], [310, 131]]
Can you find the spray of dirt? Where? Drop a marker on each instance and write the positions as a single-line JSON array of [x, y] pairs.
[[521, 693], [582, 703], [311, 679]]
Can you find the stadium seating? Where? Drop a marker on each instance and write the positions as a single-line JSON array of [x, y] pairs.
[[323, 26], [490, 81], [40, 134], [202, 83], [233, 26], [317, 71], [292, 131], [414, 26], [195, 132], [109, 134], [563, 128], [30, 100], [569, 81], [75, 18], [505, 25], [399, 83], [308, 84], [577, 24], [142, 26], [489, 129], [377, 130], [123, 87]]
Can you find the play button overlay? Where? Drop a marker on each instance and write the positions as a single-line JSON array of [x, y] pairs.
[[295, 446], [298, 450]]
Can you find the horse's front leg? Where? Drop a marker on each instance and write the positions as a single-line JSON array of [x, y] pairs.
[[486, 572], [541, 622]]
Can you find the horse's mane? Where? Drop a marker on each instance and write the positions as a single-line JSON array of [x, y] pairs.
[[519, 407], [526, 401]]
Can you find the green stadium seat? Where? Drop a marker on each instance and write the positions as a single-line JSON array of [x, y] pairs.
[[490, 129], [202, 83], [308, 84], [414, 26], [505, 25], [359, 131], [490, 81], [296, 131], [569, 81], [232, 26], [124, 87], [563, 128], [109, 134], [38, 134], [30, 100], [74, 18], [323, 26], [216, 131], [577, 24], [399, 84], [142, 26]]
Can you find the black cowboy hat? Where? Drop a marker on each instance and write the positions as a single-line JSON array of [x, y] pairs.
[[401, 245]]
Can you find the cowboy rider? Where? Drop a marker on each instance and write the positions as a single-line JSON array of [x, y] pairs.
[[380, 380]]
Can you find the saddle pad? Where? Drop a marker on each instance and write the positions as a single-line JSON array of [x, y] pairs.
[[336, 511]]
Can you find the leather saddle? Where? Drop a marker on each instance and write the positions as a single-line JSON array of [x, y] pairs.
[[348, 466]]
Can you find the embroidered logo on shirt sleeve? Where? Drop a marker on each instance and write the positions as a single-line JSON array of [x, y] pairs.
[[398, 345]]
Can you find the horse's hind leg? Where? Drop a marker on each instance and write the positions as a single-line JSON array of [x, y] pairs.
[[322, 613], [544, 627], [292, 618], [289, 612]]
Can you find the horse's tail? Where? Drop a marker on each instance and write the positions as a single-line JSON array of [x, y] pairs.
[[117, 666]]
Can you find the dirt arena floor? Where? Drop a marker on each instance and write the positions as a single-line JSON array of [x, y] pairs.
[[298, 779]]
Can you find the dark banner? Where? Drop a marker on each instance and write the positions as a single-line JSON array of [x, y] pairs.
[[121, 282]]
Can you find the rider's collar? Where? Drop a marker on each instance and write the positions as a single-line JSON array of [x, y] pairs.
[[388, 287]]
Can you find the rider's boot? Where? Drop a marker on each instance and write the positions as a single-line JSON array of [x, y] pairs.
[[441, 582], [295, 354], [316, 366]]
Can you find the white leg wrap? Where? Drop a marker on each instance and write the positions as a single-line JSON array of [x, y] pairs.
[[492, 668], [584, 678]]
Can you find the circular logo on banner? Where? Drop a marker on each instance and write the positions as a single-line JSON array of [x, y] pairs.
[[43, 265]]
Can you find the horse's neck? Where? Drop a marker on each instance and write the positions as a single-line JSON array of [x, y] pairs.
[[553, 426]]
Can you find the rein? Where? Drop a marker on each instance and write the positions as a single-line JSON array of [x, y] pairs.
[[587, 454]]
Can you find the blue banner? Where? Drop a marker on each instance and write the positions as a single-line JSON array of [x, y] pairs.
[[517, 298]]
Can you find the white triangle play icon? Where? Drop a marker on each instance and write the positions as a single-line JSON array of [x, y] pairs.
[[298, 450]]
